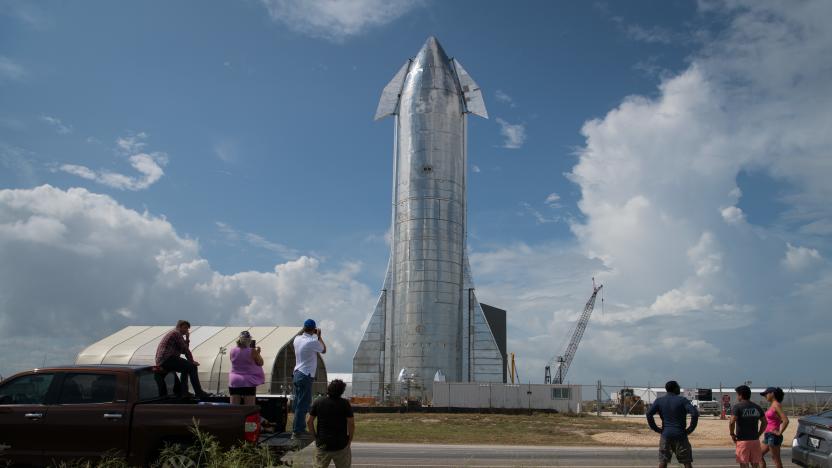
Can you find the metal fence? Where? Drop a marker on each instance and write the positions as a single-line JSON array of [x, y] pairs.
[[622, 398], [626, 398]]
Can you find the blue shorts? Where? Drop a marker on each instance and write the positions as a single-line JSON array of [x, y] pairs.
[[772, 440]]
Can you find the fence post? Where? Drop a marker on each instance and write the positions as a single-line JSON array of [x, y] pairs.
[[598, 399]]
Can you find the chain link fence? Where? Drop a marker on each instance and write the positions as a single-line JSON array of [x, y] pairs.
[[634, 399], [599, 398]]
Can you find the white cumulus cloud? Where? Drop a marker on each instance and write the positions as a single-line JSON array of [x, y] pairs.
[[132, 143], [148, 165], [685, 273], [732, 215], [514, 134], [337, 20], [800, 258], [60, 127], [503, 97], [553, 200], [87, 266]]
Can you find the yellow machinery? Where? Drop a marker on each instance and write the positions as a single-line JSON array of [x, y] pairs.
[[513, 371], [629, 403]]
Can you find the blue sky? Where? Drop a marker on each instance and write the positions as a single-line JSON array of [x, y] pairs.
[[679, 145], [306, 165]]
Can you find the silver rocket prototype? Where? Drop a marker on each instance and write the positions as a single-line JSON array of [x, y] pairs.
[[428, 324]]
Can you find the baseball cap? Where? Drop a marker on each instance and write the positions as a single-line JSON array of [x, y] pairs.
[[309, 323], [768, 390]]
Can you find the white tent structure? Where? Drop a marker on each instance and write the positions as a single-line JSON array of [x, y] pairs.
[[136, 345]]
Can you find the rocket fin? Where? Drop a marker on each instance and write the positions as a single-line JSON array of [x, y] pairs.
[[389, 102], [486, 359], [368, 362], [471, 91]]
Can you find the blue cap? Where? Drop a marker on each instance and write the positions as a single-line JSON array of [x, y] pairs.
[[309, 323], [768, 390]]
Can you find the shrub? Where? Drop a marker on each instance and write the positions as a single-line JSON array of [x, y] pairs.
[[206, 452]]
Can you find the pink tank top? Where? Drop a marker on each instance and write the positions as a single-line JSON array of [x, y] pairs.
[[244, 372], [773, 420]]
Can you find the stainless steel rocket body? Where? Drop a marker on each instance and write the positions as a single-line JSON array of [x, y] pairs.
[[429, 227], [427, 323]]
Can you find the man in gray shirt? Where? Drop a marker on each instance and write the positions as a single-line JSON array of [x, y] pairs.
[[748, 422]]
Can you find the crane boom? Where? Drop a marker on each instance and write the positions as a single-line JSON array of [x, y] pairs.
[[565, 360]]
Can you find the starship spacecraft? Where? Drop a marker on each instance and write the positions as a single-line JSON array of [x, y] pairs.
[[428, 325]]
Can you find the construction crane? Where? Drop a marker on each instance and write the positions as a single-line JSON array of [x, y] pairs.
[[565, 359]]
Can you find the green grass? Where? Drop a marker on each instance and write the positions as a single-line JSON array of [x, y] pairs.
[[497, 429]]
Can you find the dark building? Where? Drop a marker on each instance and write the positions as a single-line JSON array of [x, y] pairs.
[[497, 322]]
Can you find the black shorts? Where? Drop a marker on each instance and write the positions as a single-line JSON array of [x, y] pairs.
[[680, 447], [242, 391]]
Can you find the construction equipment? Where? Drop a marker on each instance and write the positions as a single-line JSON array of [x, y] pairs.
[[629, 402], [565, 359], [513, 371]]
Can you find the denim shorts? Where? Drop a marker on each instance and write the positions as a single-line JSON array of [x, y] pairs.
[[772, 440]]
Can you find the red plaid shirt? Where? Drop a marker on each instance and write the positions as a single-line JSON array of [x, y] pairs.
[[172, 344]]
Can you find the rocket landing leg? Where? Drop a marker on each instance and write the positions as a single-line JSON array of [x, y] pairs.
[[368, 362], [481, 357]]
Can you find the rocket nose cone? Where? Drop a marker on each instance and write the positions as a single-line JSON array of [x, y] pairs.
[[432, 54]]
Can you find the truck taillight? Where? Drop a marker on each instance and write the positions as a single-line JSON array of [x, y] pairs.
[[252, 428]]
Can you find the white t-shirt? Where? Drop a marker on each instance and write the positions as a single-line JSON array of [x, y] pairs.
[[307, 348]]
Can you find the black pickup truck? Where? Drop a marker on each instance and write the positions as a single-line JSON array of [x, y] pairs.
[[64, 413]]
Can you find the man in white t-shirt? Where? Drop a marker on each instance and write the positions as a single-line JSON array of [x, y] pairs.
[[307, 346]]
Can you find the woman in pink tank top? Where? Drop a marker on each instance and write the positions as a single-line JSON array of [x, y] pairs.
[[246, 371], [776, 424]]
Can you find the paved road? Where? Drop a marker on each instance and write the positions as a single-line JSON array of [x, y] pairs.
[[447, 456]]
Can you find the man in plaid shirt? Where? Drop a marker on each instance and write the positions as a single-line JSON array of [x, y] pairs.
[[168, 357]]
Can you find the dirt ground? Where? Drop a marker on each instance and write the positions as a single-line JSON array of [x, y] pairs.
[[710, 432], [536, 429]]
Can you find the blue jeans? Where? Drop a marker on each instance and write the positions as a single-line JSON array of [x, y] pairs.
[[303, 398]]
